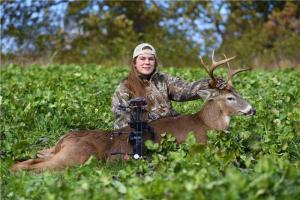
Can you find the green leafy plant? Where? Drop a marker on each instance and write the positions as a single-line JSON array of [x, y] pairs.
[[258, 159]]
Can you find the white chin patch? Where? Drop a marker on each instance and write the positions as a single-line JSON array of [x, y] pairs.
[[247, 109], [227, 120]]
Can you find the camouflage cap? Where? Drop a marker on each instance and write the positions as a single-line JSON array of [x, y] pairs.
[[140, 49]]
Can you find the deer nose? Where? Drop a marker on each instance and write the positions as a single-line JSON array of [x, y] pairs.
[[252, 111]]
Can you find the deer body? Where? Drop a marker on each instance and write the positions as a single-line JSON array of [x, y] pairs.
[[76, 147]]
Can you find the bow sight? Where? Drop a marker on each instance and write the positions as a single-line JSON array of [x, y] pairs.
[[136, 108]]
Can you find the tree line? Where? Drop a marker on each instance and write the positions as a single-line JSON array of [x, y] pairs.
[[261, 33]]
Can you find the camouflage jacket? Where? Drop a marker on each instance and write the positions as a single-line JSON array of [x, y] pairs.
[[161, 89]]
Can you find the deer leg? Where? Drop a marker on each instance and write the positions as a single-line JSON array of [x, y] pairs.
[[70, 155], [46, 153], [58, 161], [25, 164]]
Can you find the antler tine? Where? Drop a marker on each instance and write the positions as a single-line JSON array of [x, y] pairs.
[[217, 63], [232, 72], [214, 65], [203, 64], [229, 72]]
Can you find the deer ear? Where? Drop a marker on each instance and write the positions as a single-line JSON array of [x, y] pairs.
[[204, 94], [208, 93]]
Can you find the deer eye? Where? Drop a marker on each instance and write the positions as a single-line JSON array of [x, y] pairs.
[[230, 98]]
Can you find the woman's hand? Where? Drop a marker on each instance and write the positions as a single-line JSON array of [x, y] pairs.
[[221, 83]]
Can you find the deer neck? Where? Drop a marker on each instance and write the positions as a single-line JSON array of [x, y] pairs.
[[212, 116]]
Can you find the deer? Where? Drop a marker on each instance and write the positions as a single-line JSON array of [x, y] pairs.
[[76, 147]]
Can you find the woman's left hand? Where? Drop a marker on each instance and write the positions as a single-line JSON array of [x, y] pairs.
[[221, 84]]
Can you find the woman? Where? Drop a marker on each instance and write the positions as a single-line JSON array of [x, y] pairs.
[[158, 88]]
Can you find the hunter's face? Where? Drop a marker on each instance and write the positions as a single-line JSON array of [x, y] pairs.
[[145, 64]]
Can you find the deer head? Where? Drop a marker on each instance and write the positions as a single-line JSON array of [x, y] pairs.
[[226, 102]]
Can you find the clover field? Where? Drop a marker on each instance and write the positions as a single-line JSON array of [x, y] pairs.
[[258, 159]]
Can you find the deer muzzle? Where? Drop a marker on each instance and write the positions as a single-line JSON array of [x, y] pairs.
[[251, 111], [248, 111]]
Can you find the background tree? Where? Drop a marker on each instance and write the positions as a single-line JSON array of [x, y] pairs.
[[264, 34], [105, 32]]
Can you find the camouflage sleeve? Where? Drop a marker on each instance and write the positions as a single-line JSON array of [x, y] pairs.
[[180, 90], [120, 97]]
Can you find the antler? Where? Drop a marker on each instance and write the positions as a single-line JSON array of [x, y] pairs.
[[214, 65], [232, 72]]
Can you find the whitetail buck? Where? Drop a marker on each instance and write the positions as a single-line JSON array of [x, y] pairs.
[[76, 147]]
